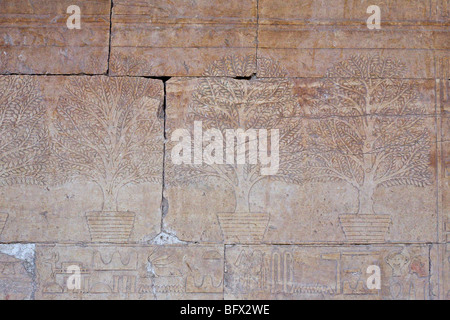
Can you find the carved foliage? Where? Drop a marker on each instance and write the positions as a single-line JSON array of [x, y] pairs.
[[107, 131], [23, 134], [368, 126], [221, 103]]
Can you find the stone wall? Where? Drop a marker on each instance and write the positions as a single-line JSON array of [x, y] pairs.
[[118, 179]]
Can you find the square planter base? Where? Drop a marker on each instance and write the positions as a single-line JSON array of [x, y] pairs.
[[243, 227], [110, 226], [365, 228]]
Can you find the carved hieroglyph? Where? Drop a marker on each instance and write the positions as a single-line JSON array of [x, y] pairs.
[[295, 272], [221, 104], [23, 135], [131, 272], [368, 132], [107, 130]]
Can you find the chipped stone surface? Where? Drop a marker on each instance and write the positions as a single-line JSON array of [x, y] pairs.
[[35, 39], [17, 271]]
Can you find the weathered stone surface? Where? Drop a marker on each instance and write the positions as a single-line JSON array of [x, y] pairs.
[[131, 272], [35, 39], [440, 271], [294, 272], [443, 107], [351, 11], [17, 271], [299, 37], [207, 195], [306, 63], [308, 36], [333, 163], [445, 192], [133, 182], [178, 39], [90, 153]]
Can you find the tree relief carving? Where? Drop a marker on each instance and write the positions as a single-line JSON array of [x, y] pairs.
[[23, 133], [367, 129], [106, 130]]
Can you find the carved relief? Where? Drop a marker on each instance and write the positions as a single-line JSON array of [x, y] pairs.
[[443, 95], [269, 68], [352, 271], [231, 66], [223, 104], [129, 65], [364, 152], [24, 143], [397, 261], [139, 272], [294, 272], [368, 131], [107, 130], [206, 285], [410, 276], [249, 267]]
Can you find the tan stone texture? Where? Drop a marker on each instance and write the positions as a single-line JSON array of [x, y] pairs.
[[131, 272], [120, 145], [308, 36], [16, 277], [310, 201], [175, 38], [292, 272], [83, 156], [35, 38]]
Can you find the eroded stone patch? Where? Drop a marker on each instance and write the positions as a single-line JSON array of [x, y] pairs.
[[17, 271]]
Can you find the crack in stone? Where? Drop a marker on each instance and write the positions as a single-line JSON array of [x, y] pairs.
[[108, 71]]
